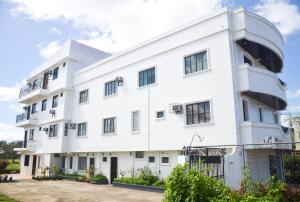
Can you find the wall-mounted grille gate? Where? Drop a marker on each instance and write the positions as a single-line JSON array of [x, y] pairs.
[[211, 159]]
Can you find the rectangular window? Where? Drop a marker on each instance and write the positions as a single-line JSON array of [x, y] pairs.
[[198, 113], [55, 101], [44, 105], [260, 113], [26, 160], [104, 159], [165, 159], [63, 162], [160, 114], [195, 63], [55, 73], [147, 77], [109, 125], [110, 88], [53, 131], [82, 163], [81, 129], [71, 162], [31, 134], [247, 61], [83, 96], [151, 159], [139, 154], [245, 110], [135, 121], [276, 119], [33, 108]]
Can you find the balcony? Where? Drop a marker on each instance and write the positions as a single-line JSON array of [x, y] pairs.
[[32, 92], [263, 85], [22, 120], [28, 147], [264, 133]]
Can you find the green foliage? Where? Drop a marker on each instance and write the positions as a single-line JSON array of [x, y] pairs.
[[81, 178], [8, 148], [3, 165], [13, 167], [146, 175], [99, 177]]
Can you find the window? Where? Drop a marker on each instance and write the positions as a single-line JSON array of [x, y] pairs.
[[247, 60], [71, 162], [64, 64], [83, 96], [110, 88], [66, 129], [81, 129], [53, 130], [56, 155], [104, 159], [195, 62], [151, 159], [135, 121], [245, 110], [139, 154], [109, 125], [276, 119], [55, 101], [55, 73], [31, 134], [260, 113], [26, 160], [147, 77], [165, 159], [82, 163], [33, 108], [44, 105], [160, 114], [63, 162], [198, 113]]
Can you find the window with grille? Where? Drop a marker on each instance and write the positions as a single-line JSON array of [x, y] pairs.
[[33, 108], [109, 125], [139, 154], [110, 88], [196, 62], [55, 101], [53, 130], [147, 77], [55, 73], [44, 105], [82, 161], [135, 121], [81, 129], [83, 96], [198, 113], [31, 134]]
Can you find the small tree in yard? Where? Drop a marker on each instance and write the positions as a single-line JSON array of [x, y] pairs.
[[3, 165]]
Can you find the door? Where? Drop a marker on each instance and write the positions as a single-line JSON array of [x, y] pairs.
[[45, 80], [33, 165], [28, 112], [113, 168], [92, 166], [25, 139]]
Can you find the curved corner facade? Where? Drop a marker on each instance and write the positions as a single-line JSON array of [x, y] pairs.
[[215, 78]]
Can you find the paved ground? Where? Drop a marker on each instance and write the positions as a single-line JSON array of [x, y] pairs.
[[68, 191]]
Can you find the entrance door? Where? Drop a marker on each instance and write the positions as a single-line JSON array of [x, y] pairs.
[[113, 168], [45, 80], [25, 140], [33, 165], [92, 165]]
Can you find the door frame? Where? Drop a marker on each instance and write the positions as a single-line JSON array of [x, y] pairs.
[[33, 165], [111, 168]]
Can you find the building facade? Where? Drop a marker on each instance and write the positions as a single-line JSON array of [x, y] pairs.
[[215, 77]]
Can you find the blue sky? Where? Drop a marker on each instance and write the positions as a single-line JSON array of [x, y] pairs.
[[32, 30]]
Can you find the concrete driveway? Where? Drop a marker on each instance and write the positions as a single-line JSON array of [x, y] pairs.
[[66, 191]]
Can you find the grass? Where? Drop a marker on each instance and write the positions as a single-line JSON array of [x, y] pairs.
[[4, 198]]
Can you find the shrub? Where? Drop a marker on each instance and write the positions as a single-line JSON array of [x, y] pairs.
[[146, 175], [3, 165], [81, 178], [99, 177]]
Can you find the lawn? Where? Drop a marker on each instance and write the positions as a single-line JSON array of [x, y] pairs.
[[4, 198]]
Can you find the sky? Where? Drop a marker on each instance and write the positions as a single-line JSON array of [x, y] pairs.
[[31, 30]]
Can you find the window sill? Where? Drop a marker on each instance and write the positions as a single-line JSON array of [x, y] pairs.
[[165, 164], [196, 73], [82, 136], [135, 132], [199, 124], [110, 96], [108, 134], [146, 86], [53, 137]]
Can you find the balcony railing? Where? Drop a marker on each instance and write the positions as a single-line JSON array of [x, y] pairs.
[[21, 117], [35, 85]]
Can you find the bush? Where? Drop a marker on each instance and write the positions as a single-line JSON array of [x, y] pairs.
[[81, 178], [3, 165], [99, 177], [146, 175]]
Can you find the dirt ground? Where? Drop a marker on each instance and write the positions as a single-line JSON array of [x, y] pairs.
[[67, 191]]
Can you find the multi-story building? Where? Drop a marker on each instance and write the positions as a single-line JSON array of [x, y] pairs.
[[215, 77]]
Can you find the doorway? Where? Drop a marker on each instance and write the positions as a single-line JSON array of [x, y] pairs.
[[45, 80], [92, 166], [113, 168], [33, 165]]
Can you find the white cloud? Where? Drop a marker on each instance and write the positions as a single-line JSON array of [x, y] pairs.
[[47, 50], [8, 94], [282, 13], [10, 132], [117, 25], [293, 94], [55, 30]]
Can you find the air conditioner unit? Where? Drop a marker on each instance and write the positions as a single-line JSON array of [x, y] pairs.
[[177, 109], [52, 111], [119, 80], [46, 130]]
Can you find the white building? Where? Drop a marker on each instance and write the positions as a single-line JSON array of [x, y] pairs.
[[215, 77]]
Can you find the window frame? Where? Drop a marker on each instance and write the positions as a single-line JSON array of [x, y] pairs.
[[115, 126], [145, 69], [31, 134], [33, 108], [139, 152], [102, 159], [153, 159], [161, 160], [78, 129], [138, 122], [26, 160], [84, 163], [87, 97], [194, 53], [199, 124], [260, 114], [55, 97], [116, 88], [55, 73], [71, 162], [55, 129], [245, 110], [160, 118], [44, 107]]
